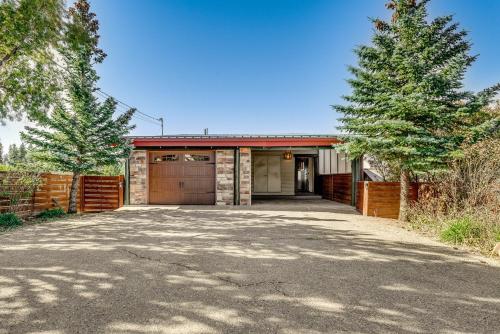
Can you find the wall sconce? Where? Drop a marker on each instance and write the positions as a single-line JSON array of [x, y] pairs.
[[287, 155]]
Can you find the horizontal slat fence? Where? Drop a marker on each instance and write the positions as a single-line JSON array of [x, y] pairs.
[[337, 187], [95, 194], [381, 199], [53, 193], [101, 193]]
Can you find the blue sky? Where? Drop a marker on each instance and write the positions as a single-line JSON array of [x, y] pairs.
[[252, 66]]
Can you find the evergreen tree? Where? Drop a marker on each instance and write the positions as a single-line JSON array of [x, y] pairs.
[[408, 106], [21, 154], [12, 155], [81, 135], [1, 153]]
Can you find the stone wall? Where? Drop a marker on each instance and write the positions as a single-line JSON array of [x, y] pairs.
[[138, 177], [245, 176], [224, 177]]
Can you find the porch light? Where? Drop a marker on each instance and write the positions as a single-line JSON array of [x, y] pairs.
[[287, 155]]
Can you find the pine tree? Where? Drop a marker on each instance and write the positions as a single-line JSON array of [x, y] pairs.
[[81, 134], [12, 155], [21, 154], [408, 106]]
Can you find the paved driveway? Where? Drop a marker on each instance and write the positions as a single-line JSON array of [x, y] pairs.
[[281, 267]]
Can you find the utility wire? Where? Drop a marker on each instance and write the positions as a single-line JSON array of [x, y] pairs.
[[159, 120]]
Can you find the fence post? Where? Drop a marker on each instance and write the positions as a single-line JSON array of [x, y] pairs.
[[365, 197], [82, 193], [120, 191]]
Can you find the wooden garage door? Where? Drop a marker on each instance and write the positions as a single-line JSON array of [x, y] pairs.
[[182, 177]]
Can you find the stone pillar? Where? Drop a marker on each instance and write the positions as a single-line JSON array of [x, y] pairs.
[[245, 176], [224, 177], [138, 177]]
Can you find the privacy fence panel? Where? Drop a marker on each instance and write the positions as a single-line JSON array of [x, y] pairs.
[[95, 194], [381, 199], [53, 192], [101, 193]]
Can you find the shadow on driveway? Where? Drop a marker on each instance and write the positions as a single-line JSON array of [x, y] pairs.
[[201, 270]]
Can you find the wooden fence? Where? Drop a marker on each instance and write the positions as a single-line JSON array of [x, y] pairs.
[[337, 187], [95, 193], [381, 199], [101, 193]]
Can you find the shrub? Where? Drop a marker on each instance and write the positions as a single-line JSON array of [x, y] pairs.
[[461, 231], [9, 219], [463, 201], [17, 187], [51, 213]]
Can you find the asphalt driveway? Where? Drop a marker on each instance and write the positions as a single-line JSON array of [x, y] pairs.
[[312, 267]]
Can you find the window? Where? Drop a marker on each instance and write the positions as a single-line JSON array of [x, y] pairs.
[[166, 157], [196, 157]]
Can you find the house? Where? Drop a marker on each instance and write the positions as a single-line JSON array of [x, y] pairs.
[[231, 169]]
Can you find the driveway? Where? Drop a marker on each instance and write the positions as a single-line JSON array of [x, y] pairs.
[[279, 267]]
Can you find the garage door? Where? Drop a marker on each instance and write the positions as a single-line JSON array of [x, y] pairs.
[[182, 177]]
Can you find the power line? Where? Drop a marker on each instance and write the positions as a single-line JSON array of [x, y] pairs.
[[160, 119]]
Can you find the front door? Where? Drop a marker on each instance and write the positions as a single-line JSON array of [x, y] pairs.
[[182, 177], [304, 174]]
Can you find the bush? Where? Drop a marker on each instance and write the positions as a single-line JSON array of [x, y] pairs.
[[51, 213], [8, 220], [461, 231], [463, 201]]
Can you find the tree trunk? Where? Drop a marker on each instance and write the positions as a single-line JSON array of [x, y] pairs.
[[403, 195], [73, 194]]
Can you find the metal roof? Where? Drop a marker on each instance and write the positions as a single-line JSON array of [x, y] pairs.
[[235, 140], [215, 136]]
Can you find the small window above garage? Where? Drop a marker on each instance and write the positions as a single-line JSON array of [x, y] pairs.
[[196, 157], [166, 157]]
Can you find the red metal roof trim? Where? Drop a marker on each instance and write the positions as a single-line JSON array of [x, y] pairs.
[[236, 142]]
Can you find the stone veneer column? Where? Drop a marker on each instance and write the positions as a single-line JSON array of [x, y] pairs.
[[245, 176], [138, 168], [224, 177]]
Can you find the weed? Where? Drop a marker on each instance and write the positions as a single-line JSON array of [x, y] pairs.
[[51, 213], [9, 220], [461, 230]]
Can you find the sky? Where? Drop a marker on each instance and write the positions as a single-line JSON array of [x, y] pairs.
[[252, 66]]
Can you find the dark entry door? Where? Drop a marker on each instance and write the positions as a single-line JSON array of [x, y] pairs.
[[304, 174], [182, 177]]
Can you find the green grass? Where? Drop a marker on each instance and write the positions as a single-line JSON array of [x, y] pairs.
[[51, 213], [9, 220], [460, 231]]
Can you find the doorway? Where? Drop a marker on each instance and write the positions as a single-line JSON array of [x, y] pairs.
[[304, 175]]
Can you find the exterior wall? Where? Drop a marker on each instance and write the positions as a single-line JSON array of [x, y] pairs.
[[337, 187], [138, 177], [245, 176], [287, 173], [333, 162], [224, 177]]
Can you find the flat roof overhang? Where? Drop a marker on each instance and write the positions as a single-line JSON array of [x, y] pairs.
[[236, 141]]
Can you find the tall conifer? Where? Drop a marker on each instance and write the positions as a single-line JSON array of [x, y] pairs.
[[81, 133], [408, 105]]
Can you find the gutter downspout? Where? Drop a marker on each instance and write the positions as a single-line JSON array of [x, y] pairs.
[[356, 173], [237, 176]]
